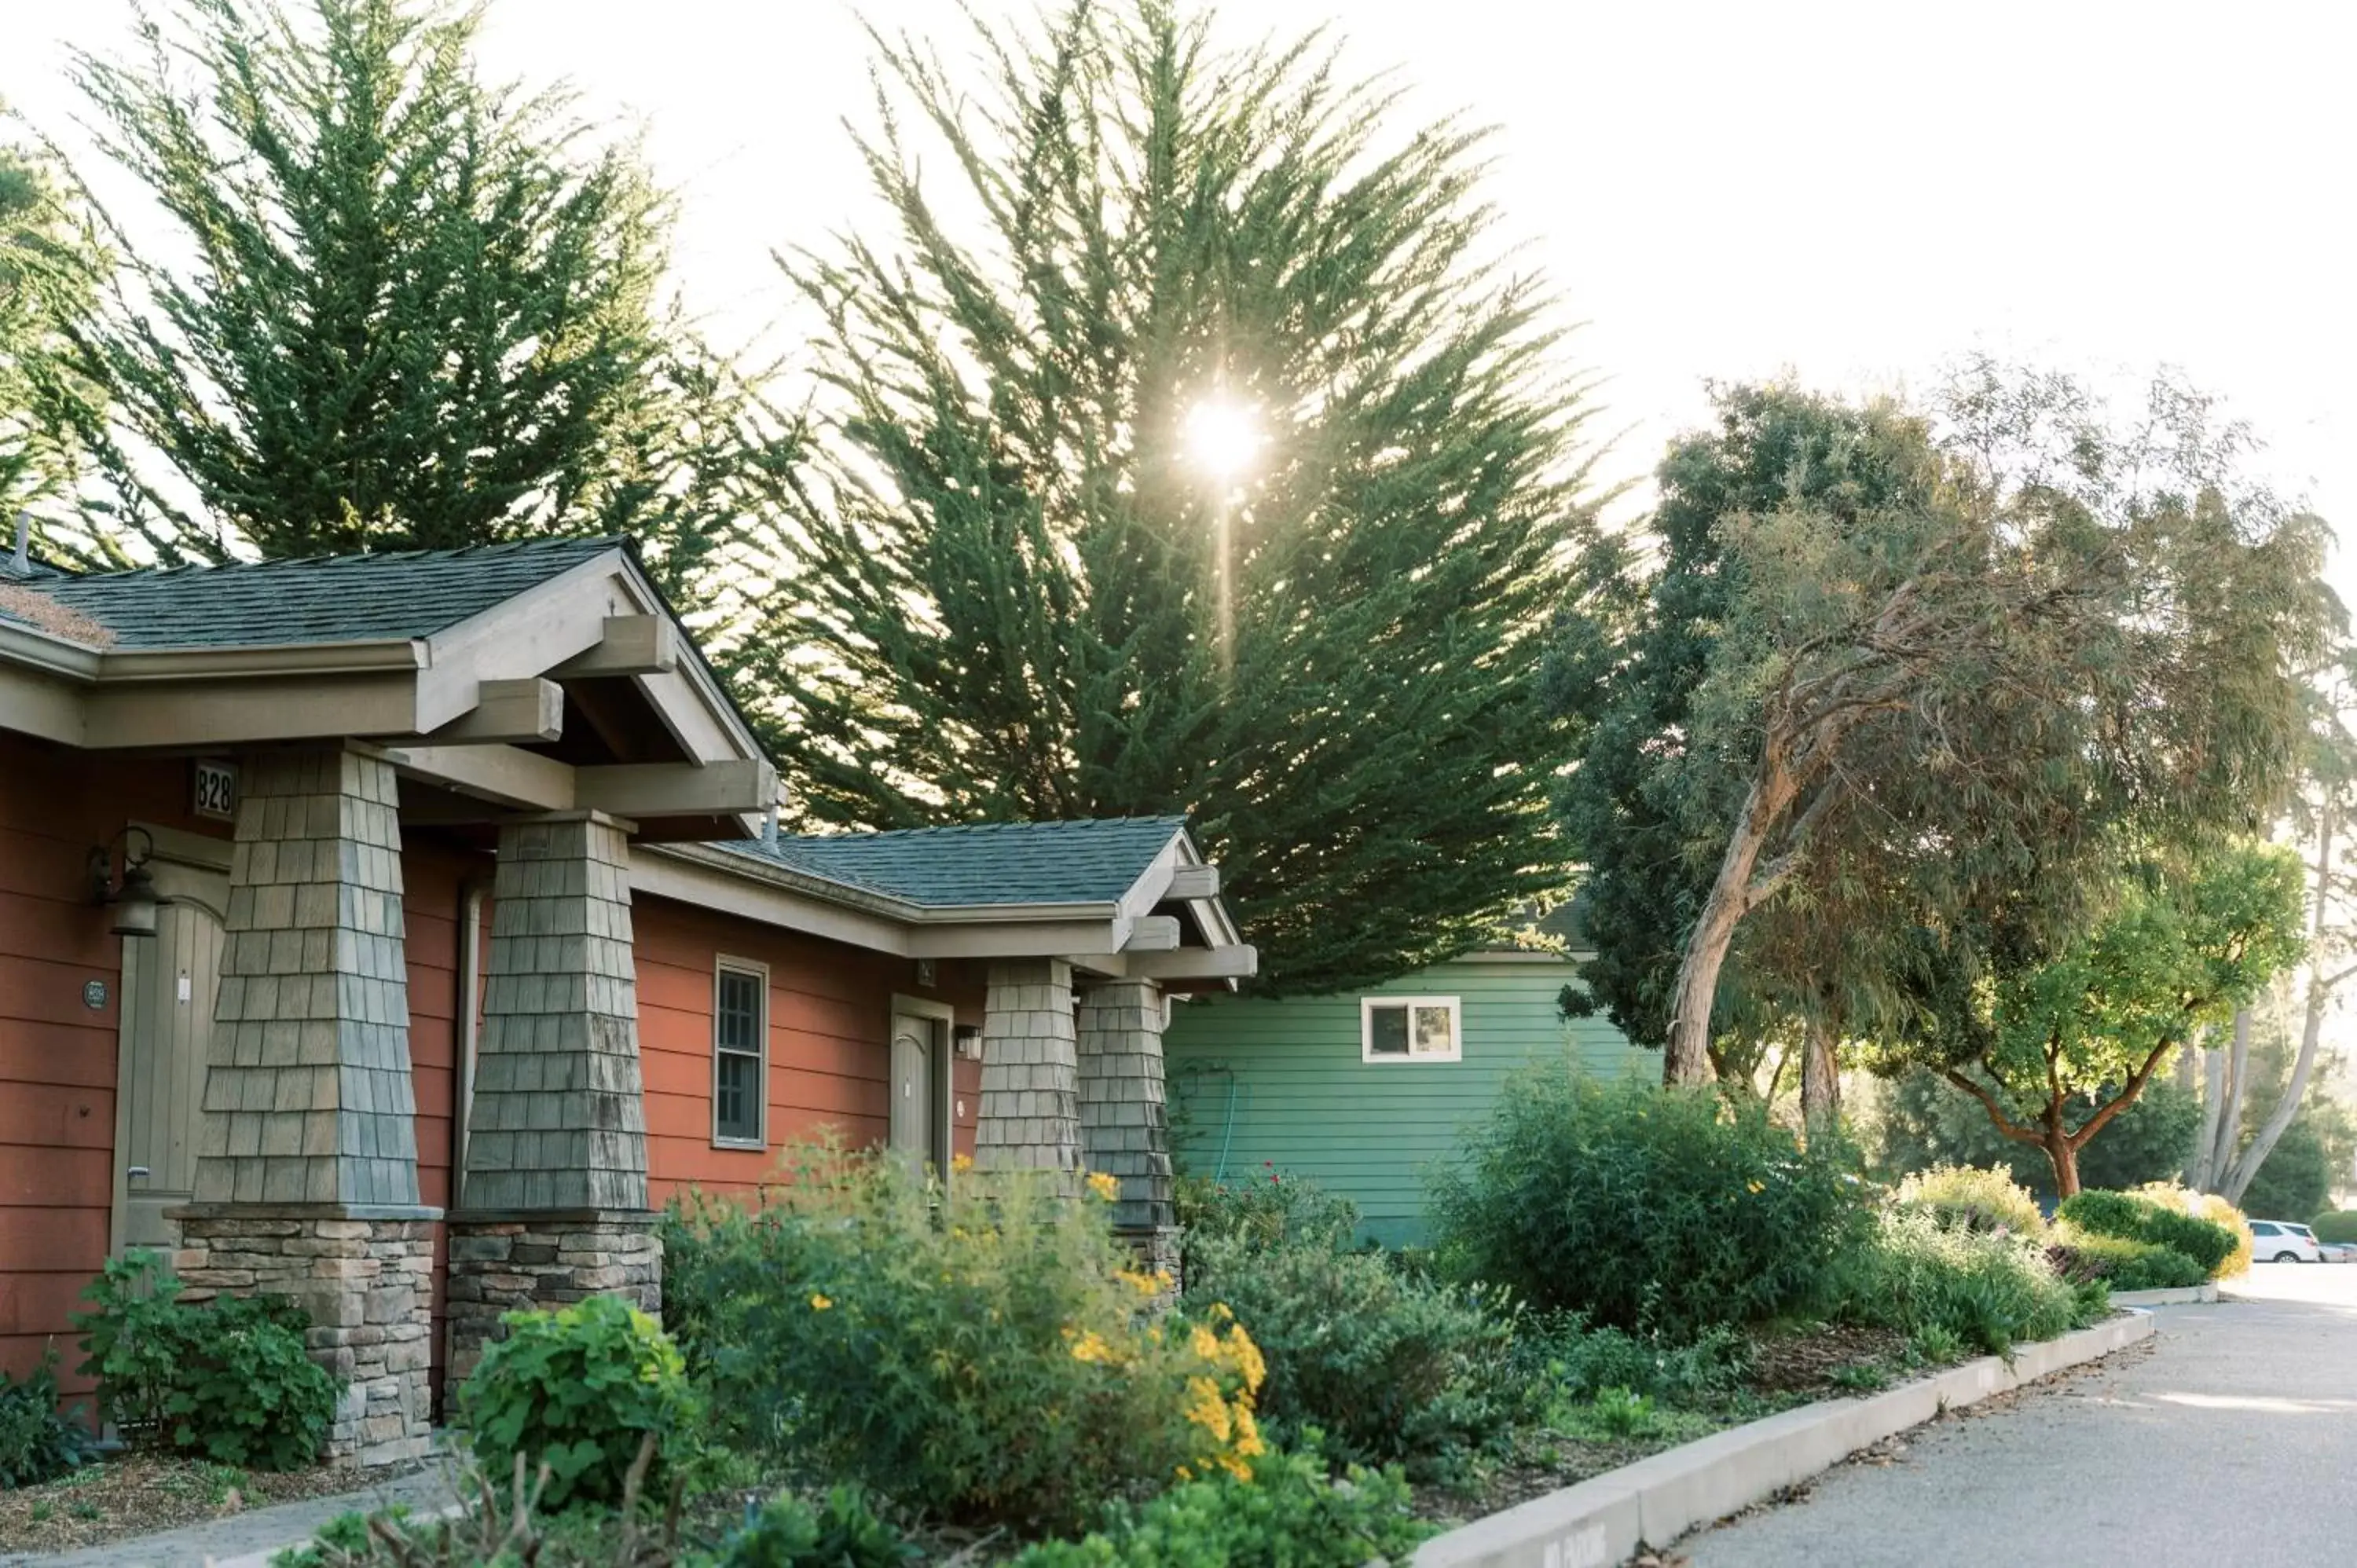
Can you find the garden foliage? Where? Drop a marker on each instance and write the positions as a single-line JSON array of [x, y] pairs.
[[2138, 1218], [228, 1381], [1643, 1207], [2121, 1263], [1988, 1289], [972, 1346], [580, 1390], [1391, 1364], [2335, 1225], [39, 1440], [1967, 1199], [1291, 1513], [840, 1531]]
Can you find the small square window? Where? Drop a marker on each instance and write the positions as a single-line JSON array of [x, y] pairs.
[[1410, 1029]]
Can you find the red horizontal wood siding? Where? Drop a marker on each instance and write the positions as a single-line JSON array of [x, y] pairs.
[[830, 1019], [56, 1054]]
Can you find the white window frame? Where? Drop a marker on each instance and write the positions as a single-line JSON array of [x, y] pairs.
[[1367, 1052], [725, 963]]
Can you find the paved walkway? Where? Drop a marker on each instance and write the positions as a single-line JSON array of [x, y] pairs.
[[2233, 1440], [247, 1540]]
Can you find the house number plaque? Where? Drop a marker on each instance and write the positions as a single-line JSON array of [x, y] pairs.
[[216, 790]]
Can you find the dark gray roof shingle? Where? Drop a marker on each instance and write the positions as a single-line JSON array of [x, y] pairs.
[[332, 599], [996, 863]]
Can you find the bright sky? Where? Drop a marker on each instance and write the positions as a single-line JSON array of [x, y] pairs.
[[1854, 192]]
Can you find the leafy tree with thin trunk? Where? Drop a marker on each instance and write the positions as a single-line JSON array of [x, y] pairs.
[[1920, 1120], [1185, 449], [1644, 810], [2323, 812], [2054, 632], [405, 307], [2187, 940]]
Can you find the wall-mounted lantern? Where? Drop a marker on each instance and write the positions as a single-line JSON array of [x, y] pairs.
[[133, 898], [967, 1039]]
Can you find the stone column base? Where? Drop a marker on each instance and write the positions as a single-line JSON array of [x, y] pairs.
[[1156, 1247], [511, 1261], [365, 1276]]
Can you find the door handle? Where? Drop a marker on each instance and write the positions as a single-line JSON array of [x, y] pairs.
[[137, 1173]]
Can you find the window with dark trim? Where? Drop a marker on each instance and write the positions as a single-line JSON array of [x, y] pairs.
[[739, 1035], [1411, 1030]]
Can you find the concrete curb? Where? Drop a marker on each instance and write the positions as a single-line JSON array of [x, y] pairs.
[[2181, 1295], [1603, 1522]]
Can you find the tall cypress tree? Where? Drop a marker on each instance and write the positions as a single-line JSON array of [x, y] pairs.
[[405, 307], [1182, 453], [49, 271]]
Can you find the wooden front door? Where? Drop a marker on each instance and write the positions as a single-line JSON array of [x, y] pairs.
[[917, 1090], [169, 986]]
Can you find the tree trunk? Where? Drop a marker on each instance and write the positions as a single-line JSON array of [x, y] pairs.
[[2204, 1166], [1687, 1057], [2063, 1156], [2246, 1170], [1820, 1077], [2228, 1129]]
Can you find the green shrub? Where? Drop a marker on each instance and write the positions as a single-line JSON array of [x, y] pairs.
[[498, 1528], [1391, 1365], [987, 1350], [228, 1381], [2121, 1263], [1989, 1290], [38, 1439], [841, 1533], [2137, 1216], [1563, 1352], [1975, 1199], [1290, 1514], [342, 1539], [1643, 1207], [2335, 1225], [580, 1389], [1266, 1211]]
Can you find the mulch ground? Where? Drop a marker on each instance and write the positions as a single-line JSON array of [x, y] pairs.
[[140, 1494], [1805, 1363], [1788, 1369]]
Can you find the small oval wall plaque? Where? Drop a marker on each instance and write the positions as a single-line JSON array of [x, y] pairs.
[[94, 994]]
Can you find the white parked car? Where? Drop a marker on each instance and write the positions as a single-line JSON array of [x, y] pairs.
[[2281, 1241]]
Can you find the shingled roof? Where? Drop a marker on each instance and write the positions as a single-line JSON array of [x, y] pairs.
[[336, 598], [996, 863]]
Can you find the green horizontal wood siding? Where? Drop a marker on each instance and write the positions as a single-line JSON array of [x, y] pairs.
[[1256, 1084]]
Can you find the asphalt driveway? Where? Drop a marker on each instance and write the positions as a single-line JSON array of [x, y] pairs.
[[2230, 1437]]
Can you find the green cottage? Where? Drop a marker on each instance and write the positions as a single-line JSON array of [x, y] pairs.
[[1362, 1091]]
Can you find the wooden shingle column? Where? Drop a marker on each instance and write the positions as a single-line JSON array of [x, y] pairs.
[[306, 1164], [1124, 1132], [1029, 1115], [553, 1201]]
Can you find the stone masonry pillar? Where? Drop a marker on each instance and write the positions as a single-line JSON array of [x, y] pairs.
[[552, 1203], [306, 1160], [1123, 1129], [1029, 1115]]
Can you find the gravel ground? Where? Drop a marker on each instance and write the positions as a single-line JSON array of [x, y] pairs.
[[2230, 1441]]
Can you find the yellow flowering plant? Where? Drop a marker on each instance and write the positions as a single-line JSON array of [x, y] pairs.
[[988, 1345]]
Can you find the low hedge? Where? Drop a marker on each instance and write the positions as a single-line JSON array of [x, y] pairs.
[[1970, 1198], [2078, 1256], [2335, 1225], [2134, 1217]]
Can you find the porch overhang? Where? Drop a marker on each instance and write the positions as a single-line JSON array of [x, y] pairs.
[[1188, 942], [580, 693]]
